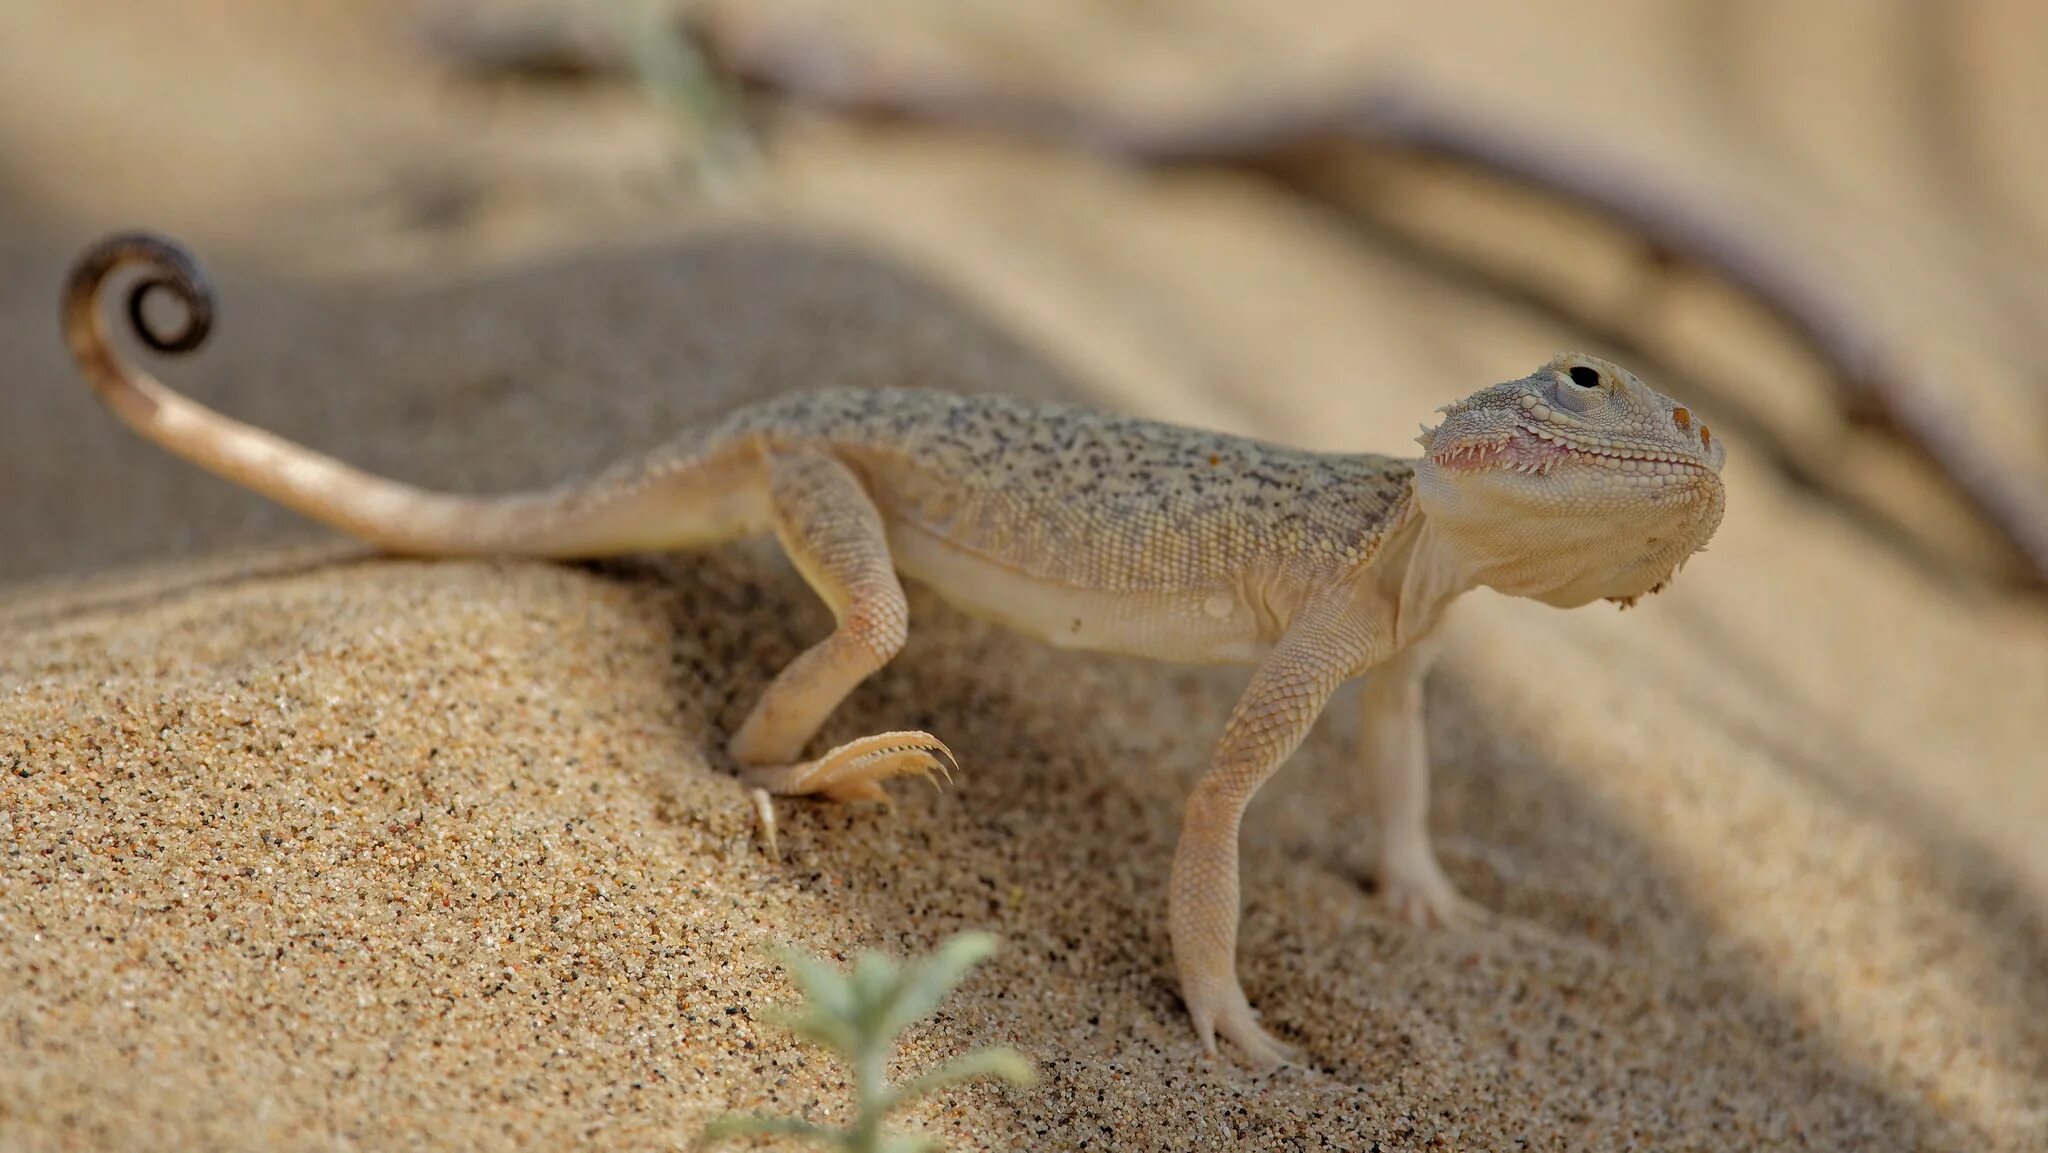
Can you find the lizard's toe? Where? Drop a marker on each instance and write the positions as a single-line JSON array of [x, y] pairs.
[[861, 790], [854, 771], [1260, 1048], [1417, 891], [1229, 1014]]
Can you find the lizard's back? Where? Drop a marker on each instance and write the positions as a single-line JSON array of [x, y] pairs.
[[1099, 499]]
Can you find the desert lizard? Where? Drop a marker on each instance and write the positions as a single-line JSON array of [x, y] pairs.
[[1084, 529]]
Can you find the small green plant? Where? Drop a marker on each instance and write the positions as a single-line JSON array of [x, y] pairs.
[[858, 1015], [678, 77]]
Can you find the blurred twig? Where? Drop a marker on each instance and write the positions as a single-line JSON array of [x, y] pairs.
[[542, 45], [684, 83], [619, 39], [1296, 142]]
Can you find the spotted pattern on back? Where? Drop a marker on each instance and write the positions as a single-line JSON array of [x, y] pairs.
[[1094, 499]]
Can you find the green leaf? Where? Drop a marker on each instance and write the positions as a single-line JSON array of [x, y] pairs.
[[818, 1027], [935, 977], [742, 1125], [1004, 1063], [876, 985], [824, 987]]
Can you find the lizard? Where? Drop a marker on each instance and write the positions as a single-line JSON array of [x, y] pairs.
[[1084, 529]]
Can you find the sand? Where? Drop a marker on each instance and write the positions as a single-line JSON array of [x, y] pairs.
[[309, 849]]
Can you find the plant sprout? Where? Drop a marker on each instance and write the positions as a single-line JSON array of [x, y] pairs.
[[858, 1014]]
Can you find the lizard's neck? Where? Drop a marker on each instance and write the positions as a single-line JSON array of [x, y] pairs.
[[1419, 574]]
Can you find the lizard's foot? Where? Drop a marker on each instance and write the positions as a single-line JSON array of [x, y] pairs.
[[855, 770], [1416, 890], [852, 772], [1222, 1008]]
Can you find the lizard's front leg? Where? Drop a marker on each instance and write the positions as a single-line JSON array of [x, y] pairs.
[[832, 532], [1396, 756], [1324, 646]]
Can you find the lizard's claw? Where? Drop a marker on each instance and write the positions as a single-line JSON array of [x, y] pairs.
[[1416, 890], [764, 819], [854, 771], [1224, 1010]]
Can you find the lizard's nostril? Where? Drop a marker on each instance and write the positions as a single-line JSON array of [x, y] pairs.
[[1706, 436], [1681, 418]]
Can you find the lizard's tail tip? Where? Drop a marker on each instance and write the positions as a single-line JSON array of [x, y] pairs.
[[167, 266]]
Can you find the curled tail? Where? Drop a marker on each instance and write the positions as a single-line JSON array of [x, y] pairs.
[[639, 509]]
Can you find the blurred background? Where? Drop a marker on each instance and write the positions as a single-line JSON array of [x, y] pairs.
[[1823, 223], [484, 245]]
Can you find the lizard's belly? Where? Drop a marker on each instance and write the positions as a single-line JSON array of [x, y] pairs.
[[1203, 626]]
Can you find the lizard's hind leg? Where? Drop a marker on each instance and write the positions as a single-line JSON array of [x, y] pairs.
[[832, 532]]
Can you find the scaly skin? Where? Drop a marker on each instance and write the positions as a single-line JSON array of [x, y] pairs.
[[1575, 483]]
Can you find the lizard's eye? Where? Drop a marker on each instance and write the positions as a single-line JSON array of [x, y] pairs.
[[1585, 394]]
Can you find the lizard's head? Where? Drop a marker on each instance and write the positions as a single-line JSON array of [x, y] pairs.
[[1573, 484]]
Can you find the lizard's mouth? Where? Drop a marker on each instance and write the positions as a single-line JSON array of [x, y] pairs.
[[1537, 452]]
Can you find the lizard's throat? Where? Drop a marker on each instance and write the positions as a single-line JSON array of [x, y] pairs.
[[1570, 535]]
